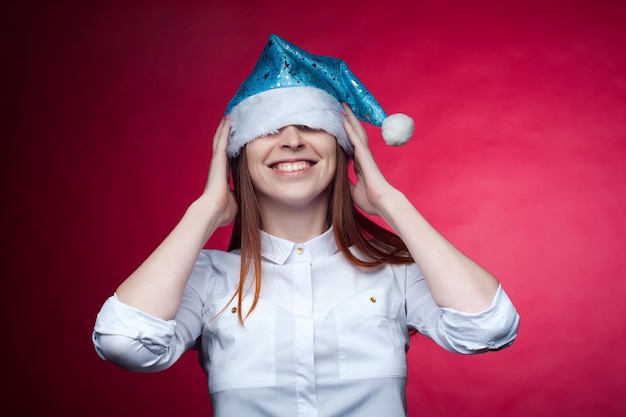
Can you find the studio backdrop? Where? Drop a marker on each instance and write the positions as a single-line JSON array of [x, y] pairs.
[[518, 159]]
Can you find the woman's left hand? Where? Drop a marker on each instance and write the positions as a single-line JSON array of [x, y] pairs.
[[371, 186]]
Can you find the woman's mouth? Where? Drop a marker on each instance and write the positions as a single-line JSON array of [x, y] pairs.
[[292, 166]]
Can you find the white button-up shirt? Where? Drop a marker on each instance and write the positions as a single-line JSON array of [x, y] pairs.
[[325, 339]]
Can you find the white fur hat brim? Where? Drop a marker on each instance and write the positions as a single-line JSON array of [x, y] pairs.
[[265, 113]]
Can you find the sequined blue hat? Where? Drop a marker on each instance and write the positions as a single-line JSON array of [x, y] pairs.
[[289, 86]]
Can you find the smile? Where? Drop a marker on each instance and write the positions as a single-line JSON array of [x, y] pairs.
[[292, 166]]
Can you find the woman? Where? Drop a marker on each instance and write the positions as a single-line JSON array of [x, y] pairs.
[[309, 311]]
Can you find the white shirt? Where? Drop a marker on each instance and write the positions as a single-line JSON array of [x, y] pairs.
[[325, 339]]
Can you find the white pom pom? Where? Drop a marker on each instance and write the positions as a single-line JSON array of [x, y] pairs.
[[397, 129]]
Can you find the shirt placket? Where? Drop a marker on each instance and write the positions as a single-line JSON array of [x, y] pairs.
[[304, 333]]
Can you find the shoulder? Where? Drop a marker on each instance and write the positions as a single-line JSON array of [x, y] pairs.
[[208, 257], [214, 270]]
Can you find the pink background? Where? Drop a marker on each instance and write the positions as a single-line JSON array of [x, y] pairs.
[[518, 158]]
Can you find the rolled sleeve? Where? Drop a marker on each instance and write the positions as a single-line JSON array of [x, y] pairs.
[[468, 333], [131, 338], [492, 329]]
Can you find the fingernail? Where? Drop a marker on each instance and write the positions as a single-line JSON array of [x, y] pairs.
[[227, 117]]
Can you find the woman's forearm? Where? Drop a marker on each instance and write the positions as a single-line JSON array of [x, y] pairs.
[[156, 287], [454, 279]]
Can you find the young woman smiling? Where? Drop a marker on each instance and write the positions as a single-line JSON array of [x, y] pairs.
[[309, 312]]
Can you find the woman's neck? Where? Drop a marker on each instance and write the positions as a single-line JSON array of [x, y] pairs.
[[296, 224]]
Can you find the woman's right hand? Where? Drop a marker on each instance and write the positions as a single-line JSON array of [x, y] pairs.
[[157, 286], [217, 191]]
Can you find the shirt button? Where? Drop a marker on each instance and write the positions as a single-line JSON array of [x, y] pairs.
[[300, 251], [233, 310], [373, 299]]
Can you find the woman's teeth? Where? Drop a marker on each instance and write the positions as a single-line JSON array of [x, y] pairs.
[[292, 166]]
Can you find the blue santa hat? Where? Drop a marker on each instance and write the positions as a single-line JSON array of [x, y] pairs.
[[289, 86]]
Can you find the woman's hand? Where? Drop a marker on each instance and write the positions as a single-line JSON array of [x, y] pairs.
[[156, 287], [371, 187], [217, 190], [454, 280]]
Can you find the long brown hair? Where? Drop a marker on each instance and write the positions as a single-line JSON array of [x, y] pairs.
[[351, 228]]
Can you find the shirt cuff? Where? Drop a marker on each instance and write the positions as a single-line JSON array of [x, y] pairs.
[[119, 319], [492, 329]]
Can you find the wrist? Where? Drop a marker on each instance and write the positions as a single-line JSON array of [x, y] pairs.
[[205, 213], [389, 203], [393, 208]]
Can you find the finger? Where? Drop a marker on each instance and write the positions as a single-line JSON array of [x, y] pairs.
[[223, 134], [355, 123], [349, 112], [362, 153], [220, 139], [355, 137], [219, 162], [216, 135]]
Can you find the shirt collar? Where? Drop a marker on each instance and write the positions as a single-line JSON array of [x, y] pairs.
[[280, 250]]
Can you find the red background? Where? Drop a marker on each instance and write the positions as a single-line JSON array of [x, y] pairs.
[[518, 158]]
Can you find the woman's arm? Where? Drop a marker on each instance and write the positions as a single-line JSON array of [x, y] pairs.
[[454, 280], [156, 287]]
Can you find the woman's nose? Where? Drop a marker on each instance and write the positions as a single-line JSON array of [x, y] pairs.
[[290, 137]]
